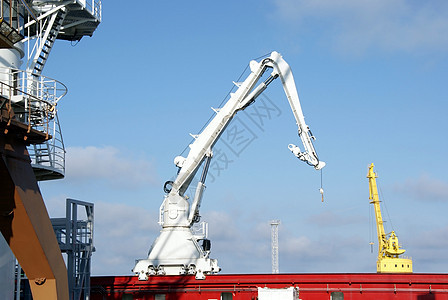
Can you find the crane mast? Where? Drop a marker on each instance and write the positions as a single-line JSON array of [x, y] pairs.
[[177, 250], [389, 249]]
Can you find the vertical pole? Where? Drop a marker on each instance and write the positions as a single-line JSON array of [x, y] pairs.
[[68, 241], [274, 246], [18, 280], [74, 233]]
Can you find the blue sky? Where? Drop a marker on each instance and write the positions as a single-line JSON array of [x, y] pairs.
[[371, 77]]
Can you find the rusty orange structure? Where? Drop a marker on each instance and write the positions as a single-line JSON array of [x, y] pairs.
[[24, 220]]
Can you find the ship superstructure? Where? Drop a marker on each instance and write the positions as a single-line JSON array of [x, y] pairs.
[[29, 32], [31, 144]]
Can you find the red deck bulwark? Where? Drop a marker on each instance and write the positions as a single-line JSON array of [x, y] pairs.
[[244, 286]]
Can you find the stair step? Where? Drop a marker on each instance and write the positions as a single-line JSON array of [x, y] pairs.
[[42, 57]]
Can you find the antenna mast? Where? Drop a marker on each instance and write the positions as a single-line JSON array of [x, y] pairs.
[[274, 246]]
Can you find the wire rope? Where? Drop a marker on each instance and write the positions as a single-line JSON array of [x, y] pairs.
[[385, 206], [371, 228]]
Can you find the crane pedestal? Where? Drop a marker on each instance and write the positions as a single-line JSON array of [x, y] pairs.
[[176, 252], [394, 265]]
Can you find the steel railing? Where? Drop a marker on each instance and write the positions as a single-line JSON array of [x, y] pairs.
[[93, 6], [33, 100]]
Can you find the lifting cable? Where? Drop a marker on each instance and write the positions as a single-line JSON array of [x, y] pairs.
[[371, 229], [385, 206], [321, 190]]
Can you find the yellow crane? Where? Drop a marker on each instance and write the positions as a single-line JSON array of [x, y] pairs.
[[388, 248]]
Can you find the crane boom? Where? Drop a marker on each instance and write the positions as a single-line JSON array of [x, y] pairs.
[[374, 199], [245, 95], [176, 250]]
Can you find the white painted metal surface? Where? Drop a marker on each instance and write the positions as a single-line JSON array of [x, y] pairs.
[[176, 251], [290, 293]]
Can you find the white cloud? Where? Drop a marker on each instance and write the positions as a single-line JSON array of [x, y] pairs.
[[238, 245], [56, 206], [354, 27], [108, 164], [428, 249], [222, 225], [332, 219], [324, 252], [247, 249], [297, 245], [123, 233], [424, 188]]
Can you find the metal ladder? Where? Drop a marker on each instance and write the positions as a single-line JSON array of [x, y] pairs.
[[51, 32], [42, 154]]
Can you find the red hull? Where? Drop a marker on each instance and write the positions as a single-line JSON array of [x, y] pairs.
[[241, 287]]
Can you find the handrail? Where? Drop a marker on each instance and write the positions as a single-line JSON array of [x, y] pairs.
[[36, 95], [12, 16], [33, 99], [93, 6], [29, 9], [53, 90]]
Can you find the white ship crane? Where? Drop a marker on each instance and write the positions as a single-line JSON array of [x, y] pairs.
[[177, 250]]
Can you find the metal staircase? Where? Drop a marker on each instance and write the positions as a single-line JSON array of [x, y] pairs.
[[52, 20], [50, 31], [75, 238], [48, 159], [33, 97]]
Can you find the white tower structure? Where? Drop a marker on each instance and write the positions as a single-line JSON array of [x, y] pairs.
[[274, 246]]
